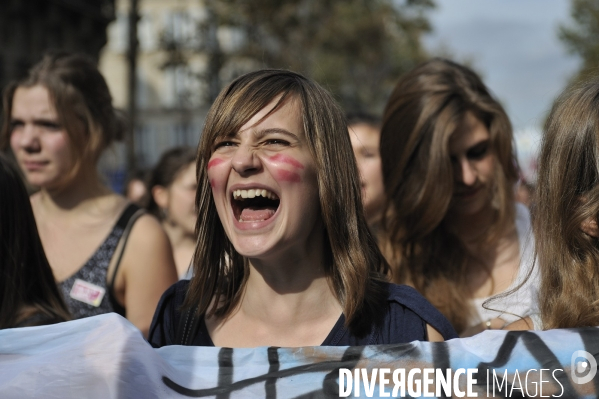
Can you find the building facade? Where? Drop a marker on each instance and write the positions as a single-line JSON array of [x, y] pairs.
[[29, 28], [170, 98]]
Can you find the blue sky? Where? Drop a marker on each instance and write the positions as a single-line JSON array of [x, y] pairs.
[[514, 45]]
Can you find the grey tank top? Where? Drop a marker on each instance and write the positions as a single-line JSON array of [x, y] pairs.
[[87, 292]]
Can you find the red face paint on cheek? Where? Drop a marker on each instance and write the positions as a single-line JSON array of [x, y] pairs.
[[214, 162], [288, 176], [288, 160]]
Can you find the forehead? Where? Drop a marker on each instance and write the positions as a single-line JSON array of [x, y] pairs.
[[471, 132], [187, 173], [277, 114], [364, 134], [34, 102]]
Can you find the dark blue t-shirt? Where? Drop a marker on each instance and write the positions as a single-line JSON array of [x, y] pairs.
[[404, 320]]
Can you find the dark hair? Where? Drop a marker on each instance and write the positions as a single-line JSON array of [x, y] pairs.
[[354, 260], [81, 98], [27, 285], [426, 107], [566, 196], [359, 117], [171, 164]]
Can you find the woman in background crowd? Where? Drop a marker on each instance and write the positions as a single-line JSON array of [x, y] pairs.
[[566, 212], [136, 190], [452, 227], [173, 186], [58, 120], [284, 255], [28, 292], [365, 135]]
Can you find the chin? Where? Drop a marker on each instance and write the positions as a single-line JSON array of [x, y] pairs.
[[250, 250], [256, 246], [42, 183], [469, 210]]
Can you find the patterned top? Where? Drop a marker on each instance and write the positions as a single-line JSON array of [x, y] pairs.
[[93, 274]]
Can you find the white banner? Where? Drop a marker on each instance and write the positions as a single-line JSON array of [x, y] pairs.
[[106, 357]]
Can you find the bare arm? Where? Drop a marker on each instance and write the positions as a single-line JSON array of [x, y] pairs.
[[433, 334], [146, 271], [519, 325]]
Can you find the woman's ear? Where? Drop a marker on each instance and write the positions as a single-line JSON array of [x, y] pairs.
[[590, 227], [160, 195]]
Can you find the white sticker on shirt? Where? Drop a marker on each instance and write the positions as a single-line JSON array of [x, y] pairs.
[[87, 292]]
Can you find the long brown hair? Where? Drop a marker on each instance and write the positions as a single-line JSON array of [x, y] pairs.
[[82, 101], [354, 261], [426, 107], [27, 285], [567, 195]]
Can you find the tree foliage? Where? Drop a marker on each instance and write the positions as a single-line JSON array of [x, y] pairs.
[[582, 37], [355, 48]]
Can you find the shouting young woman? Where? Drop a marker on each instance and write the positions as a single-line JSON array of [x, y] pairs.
[[284, 255]]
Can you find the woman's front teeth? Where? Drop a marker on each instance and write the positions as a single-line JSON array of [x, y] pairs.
[[252, 193]]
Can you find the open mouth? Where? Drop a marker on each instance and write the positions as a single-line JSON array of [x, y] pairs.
[[254, 205]]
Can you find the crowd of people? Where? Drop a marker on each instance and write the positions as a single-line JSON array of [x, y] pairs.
[[294, 224]]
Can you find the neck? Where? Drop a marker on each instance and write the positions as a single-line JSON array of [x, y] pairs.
[[473, 229], [293, 285], [178, 236], [78, 194]]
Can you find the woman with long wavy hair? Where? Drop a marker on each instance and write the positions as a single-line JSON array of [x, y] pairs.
[[566, 213], [452, 228]]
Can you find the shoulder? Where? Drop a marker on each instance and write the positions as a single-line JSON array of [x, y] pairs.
[[409, 311], [148, 226], [167, 315], [147, 236]]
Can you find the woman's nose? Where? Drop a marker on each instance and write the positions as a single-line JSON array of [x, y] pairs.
[[245, 160], [28, 138], [465, 173]]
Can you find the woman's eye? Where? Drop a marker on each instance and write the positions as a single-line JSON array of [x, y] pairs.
[[223, 144], [15, 125], [276, 142], [478, 152], [50, 125]]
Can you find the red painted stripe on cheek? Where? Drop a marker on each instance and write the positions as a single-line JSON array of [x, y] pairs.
[[288, 160], [214, 162], [288, 176]]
